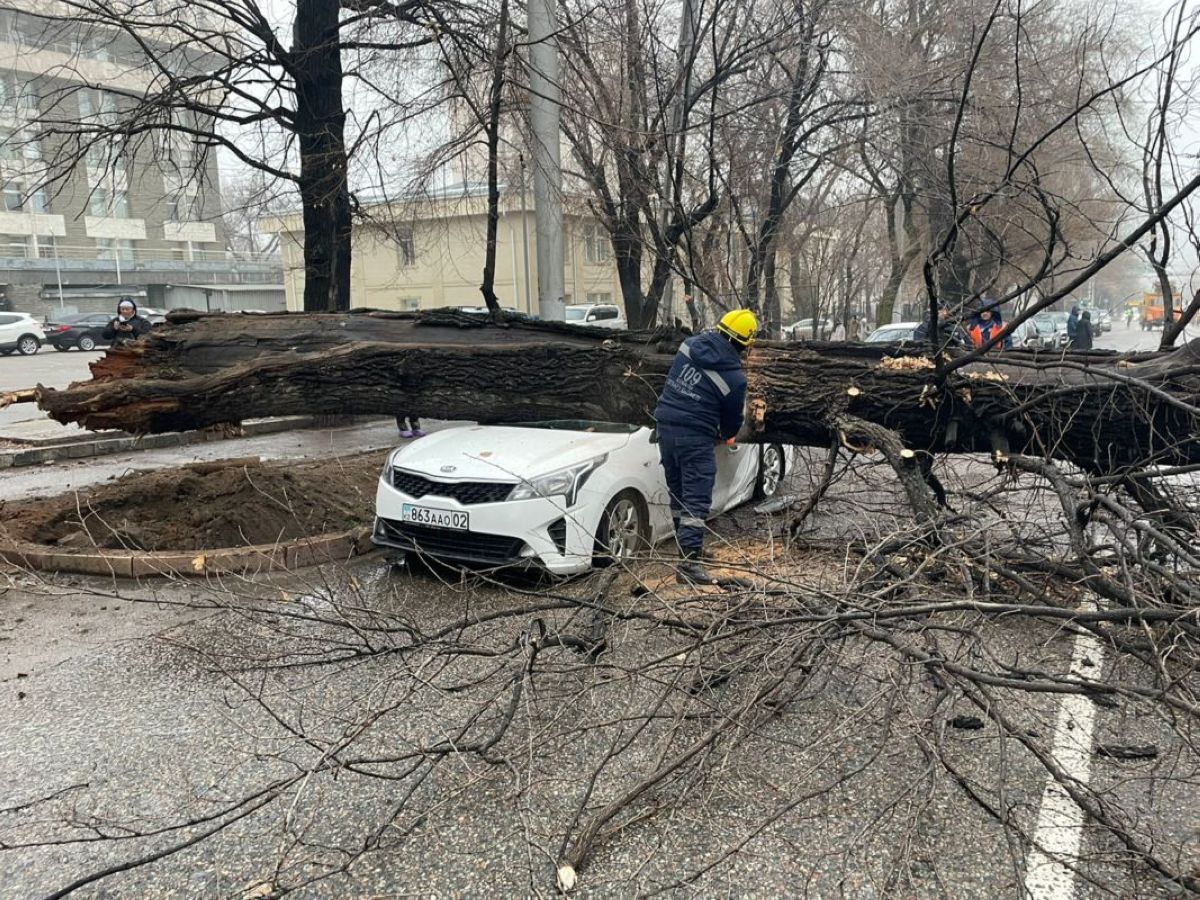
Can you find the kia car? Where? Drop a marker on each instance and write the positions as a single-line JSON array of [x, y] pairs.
[[560, 495]]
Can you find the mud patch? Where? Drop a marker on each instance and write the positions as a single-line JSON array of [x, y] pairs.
[[204, 506]]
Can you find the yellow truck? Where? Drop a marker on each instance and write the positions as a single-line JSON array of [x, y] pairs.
[[1152, 310]]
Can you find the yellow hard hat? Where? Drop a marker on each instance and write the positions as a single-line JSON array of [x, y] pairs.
[[740, 326]]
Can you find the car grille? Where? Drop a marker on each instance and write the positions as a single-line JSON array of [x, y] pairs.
[[467, 545], [465, 492]]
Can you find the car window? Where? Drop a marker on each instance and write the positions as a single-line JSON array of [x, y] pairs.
[[9, 320], [576, 315], [606, 313]]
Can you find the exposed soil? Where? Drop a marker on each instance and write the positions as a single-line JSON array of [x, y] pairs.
[[204, 506]]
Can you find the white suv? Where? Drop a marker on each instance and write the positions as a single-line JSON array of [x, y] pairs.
[[598, 315], [20, 332]]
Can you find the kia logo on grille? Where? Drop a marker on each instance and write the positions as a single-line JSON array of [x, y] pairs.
[[449, 468]]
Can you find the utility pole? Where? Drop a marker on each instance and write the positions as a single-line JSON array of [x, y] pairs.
[[545, 111]]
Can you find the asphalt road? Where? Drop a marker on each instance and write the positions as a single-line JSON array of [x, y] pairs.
[[145, 704], [48, 367]]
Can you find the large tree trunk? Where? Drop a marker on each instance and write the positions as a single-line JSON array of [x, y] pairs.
[[320, 130], [1099, 411]]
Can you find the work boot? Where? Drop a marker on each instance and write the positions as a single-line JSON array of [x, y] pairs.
[[690, 571]]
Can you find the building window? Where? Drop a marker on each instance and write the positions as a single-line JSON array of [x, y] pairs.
[[98, 203], [120, 204], [410, 303], [12, 196], [599, 297], [16, 200], [97, 104], [406, 250], [114, 249], [15, 245], [596, 247]]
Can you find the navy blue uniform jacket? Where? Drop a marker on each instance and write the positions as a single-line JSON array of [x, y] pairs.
[[706, 389]]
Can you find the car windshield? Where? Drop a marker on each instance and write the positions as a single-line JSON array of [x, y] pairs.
[[587, 425], [885, 335], [576, 314]]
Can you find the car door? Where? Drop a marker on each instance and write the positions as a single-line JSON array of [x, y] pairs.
[[9, 326], [94, 325]]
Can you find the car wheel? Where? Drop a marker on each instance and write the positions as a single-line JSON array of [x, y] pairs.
[[770, 472], [623, 530], [27, 345], [87, 342]]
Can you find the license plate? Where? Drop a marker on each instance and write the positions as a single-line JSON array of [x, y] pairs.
[[438, 518]]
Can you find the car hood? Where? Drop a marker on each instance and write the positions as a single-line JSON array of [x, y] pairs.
[[501, 452]]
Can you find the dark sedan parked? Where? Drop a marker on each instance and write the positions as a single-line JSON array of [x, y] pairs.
[[82, 330]]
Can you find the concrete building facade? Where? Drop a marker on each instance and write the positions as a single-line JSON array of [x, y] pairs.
[[142, 220]]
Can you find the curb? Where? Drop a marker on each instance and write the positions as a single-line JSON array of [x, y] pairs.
[[252, 560], [84, 449]]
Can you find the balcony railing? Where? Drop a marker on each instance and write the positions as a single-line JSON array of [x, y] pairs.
[[258, 267]]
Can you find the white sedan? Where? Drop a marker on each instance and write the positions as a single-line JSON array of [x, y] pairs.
[[563, 495]]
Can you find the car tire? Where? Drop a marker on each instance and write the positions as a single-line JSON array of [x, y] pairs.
[[624, 529], [772, 466], [27, 345], [87, 342]]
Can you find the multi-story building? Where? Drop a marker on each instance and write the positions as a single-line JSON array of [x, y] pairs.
[[145, 221]]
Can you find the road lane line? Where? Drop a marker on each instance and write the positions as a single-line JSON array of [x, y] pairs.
[[1058, 837]]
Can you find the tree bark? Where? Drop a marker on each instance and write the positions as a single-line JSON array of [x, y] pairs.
[[320, 131], [1099, 411]]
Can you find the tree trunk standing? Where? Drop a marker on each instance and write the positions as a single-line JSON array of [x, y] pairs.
[[488, 287], [320, 132], [627, 254]]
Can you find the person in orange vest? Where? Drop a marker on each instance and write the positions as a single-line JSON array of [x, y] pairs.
[[984, 325]]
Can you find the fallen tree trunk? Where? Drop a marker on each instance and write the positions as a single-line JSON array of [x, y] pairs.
[[1100, 411]]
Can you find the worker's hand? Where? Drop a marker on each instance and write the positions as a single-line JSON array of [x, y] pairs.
[[730, 442]]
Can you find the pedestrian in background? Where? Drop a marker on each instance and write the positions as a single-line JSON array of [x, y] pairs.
[[854, 332], [1083, 332], [128, 326]]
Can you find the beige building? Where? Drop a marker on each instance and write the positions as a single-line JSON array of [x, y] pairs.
[[429, 253]]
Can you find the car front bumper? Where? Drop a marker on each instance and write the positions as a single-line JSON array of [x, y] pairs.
[[539, 531]]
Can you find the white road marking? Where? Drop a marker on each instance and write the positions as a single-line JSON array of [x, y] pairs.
[[1058, 837]]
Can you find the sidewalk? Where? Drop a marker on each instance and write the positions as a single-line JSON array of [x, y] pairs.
[[67, 475]]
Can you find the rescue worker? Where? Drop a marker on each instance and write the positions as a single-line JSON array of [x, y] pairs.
[[985, 324], [702, 405]]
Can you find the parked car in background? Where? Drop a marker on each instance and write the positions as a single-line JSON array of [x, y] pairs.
[[558, 495], [82, 330], [1103, 320], [153, 316], [893, 334], [599, 315], [1053, 328], [803, 330], [20, 333]]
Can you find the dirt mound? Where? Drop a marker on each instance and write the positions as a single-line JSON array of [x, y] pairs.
[[204, 506]]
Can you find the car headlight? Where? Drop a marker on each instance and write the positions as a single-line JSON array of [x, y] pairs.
[[559, 483], [387, 468]]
